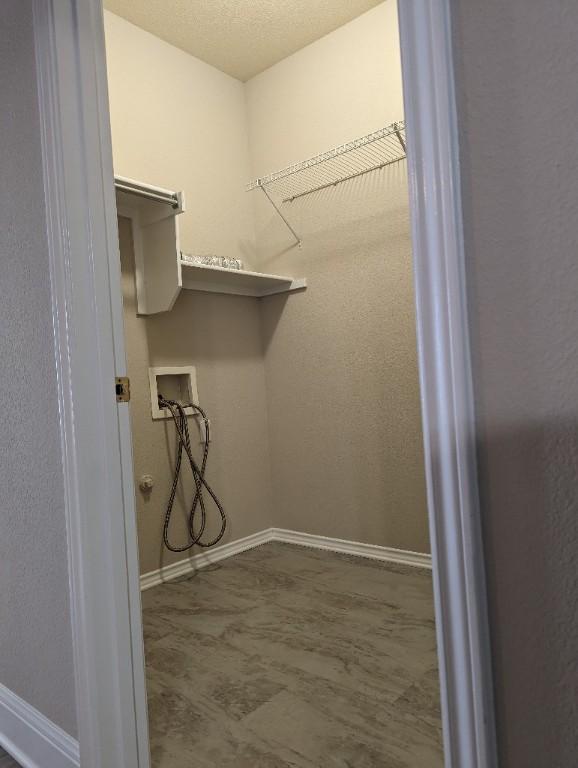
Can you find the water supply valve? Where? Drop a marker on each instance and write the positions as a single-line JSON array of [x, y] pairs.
[[146, 483]]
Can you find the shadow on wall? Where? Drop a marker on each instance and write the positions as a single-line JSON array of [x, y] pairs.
[[152, 505], [356, 253], [528, 480], [205, 326], [274, 307], [354, 215], [221, 336], [522, 279], [341, 366]]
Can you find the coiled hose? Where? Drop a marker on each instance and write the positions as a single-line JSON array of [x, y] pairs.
[[184, 442]]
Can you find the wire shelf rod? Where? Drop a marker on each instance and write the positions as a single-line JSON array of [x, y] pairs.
[[350, 146], [339, 181], [143, 190], [348, 161]]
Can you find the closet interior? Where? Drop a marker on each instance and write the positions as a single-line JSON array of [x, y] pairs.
[[266, 271]]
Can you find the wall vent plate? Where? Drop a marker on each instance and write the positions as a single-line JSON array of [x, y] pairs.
[[173, 383]]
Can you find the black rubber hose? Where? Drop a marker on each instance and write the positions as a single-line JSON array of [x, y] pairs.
[[184, 442]]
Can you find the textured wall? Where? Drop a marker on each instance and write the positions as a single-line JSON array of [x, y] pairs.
[[340, 358], [221, 336], [180, 123], [518, 109], [36, 659], [341, 87], [342, 386]]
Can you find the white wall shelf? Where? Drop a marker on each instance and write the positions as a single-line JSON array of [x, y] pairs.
[[153, 213], [161, 274], [239, 282]]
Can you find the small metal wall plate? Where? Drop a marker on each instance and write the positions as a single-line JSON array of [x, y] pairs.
[[122, 386]]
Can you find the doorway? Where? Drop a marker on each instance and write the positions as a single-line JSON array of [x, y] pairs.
[[459, 596], [318, 598]]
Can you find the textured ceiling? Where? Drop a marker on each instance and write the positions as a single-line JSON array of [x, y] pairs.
[[240, 37]]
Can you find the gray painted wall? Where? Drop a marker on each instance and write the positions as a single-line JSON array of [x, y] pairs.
[[286, 377], [517, 66], [36, 659], [155, 92], [221, 336], [341, 357]]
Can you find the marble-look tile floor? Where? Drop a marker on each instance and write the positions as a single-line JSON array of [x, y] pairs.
[[6, 761], [285, 656]]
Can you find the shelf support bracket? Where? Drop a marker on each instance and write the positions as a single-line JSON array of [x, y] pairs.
[[276, 207], [400, 139]]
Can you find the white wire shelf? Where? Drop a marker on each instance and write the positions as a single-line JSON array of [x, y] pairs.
[[348, 161]]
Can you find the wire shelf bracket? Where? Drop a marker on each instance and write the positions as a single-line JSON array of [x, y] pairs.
[[259, 183], [348, 161]]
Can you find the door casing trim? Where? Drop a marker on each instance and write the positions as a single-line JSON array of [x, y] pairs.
[[95, 433]]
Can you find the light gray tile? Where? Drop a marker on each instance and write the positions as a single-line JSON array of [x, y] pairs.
[[6, 761], [287, 656]]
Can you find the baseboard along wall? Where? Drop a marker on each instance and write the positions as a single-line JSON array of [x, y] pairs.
[[36, 742], [32, 739], [215, 554]]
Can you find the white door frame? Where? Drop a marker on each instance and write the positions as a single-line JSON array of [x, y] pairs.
[[446, 386], [96, 447], [95, 430]]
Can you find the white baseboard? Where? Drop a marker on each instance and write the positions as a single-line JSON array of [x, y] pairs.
[[202, 559], [36, 742], [32, 739], [373, 551], [215, 554]]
